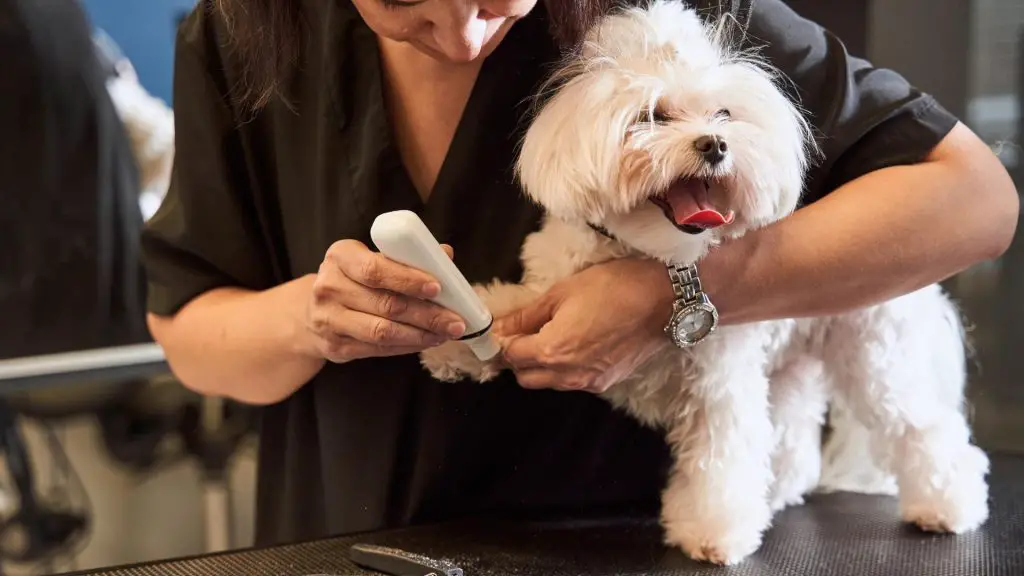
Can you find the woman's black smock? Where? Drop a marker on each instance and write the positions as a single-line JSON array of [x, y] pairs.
[[376, 443]]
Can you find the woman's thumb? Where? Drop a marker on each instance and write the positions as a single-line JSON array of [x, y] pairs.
[[527, 320]]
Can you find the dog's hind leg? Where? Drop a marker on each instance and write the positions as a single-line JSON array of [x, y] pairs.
[[901, 369], [848, 458]]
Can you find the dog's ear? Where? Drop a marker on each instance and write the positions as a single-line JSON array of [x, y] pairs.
[[571, 153]]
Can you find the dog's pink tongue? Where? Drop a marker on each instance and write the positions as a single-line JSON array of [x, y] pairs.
[[690, 205]]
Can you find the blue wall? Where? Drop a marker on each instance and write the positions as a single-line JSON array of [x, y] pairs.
[[144, 30]]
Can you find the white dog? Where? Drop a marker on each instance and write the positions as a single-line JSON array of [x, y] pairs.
[[670, 140]]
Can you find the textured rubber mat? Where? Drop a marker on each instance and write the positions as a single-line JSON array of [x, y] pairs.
[[837, 535]]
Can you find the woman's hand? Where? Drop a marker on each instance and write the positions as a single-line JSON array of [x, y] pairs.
[[591, 329], [365, 305]]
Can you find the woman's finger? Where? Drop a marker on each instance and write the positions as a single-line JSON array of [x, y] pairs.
[[380, 331], [370, 351], [333, 319], [374, 270], [340, 290], [527, 320], [547, 379], [536, 378], [413, 312], [527, 352], [341, 349]]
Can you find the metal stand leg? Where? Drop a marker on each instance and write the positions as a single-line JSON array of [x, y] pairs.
[[216, 494], [217, 512], [212, 433]]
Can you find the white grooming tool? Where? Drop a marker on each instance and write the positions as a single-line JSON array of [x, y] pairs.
[[404, 238]]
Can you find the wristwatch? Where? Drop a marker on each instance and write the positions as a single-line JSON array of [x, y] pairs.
[[694, 317]]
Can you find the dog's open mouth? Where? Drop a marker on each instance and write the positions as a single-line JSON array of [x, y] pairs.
[[687, 203]]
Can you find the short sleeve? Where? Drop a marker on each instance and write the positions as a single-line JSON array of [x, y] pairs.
[[866, 117], [206, 233]]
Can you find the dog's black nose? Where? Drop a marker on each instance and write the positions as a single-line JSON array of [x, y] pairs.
[[713, 148]]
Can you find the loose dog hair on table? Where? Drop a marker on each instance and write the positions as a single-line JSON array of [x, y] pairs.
[[660, 138]]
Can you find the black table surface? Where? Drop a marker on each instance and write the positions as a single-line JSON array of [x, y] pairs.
[[833, 534]]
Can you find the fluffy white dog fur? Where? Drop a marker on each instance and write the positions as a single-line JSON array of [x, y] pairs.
[[742, 410]]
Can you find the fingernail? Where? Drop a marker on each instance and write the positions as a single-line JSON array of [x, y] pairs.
[[456, 329], [431, 289], [435, 340]]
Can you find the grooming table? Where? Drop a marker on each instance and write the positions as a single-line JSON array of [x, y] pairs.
[[834, 535]]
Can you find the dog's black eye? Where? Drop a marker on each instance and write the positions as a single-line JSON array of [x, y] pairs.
[[723, 114], [655, 116]]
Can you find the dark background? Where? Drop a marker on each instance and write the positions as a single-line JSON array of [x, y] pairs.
[[970, 55]]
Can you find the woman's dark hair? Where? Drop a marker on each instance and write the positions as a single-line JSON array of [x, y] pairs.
[[266, 37]]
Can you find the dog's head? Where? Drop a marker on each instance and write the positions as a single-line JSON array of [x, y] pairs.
[[664, 135]]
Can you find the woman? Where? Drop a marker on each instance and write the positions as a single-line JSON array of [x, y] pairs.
[[299, 122]]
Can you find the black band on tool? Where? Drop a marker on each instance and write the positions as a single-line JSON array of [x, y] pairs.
[[479, 332]]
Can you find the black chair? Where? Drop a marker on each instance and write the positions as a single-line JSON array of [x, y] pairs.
[[69, 227], [69, 187]]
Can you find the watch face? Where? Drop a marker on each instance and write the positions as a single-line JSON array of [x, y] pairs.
[[694, 324]]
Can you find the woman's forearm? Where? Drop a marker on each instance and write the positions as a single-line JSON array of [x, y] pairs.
[[244, 345], [884, 235]]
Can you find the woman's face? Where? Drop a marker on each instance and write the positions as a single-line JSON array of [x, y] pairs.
[[456, 31]]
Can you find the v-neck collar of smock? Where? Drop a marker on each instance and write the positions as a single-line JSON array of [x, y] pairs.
[[357, 91]]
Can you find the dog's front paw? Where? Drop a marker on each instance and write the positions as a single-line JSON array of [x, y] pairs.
[[711, 527], [454, 361], [442, 362], [724, 541]]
